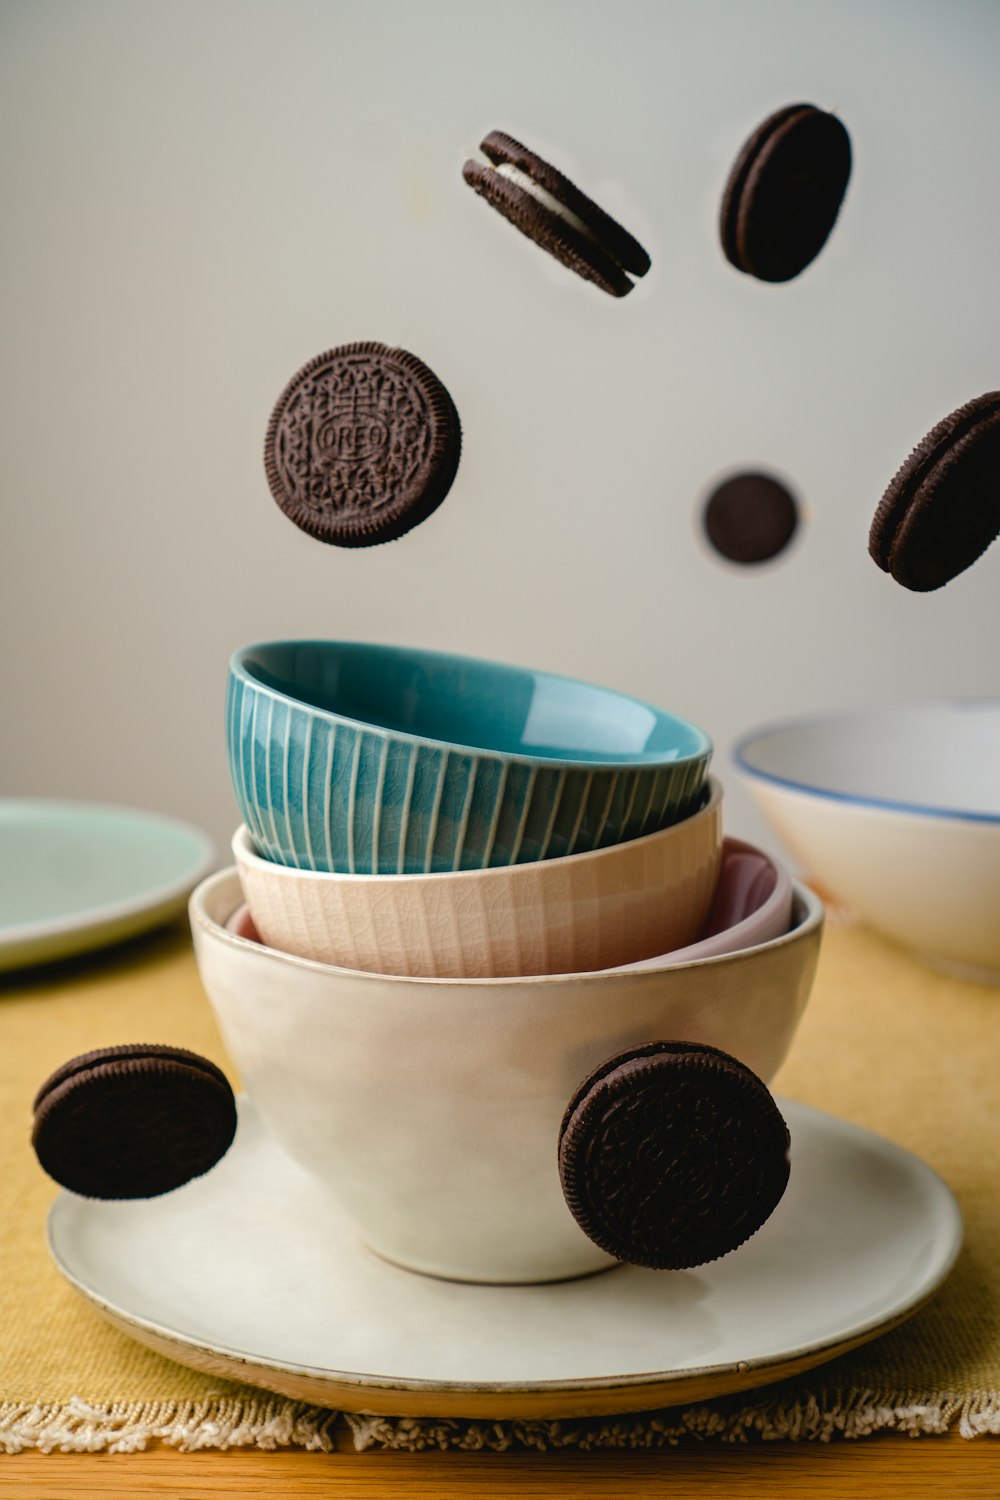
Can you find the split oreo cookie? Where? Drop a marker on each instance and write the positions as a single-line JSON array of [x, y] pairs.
[[750, 518], [133, 1121], [363, 445], [784, 192], [941, 510], [548, 208], [672, 1154]]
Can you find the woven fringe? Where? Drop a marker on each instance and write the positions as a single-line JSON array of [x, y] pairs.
[[77, 1426], [854, 1415]]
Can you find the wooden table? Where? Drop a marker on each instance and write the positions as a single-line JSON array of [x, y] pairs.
[[869, 1469]]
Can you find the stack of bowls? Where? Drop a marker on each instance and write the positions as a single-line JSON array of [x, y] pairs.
[[460, 887], [415, 813]]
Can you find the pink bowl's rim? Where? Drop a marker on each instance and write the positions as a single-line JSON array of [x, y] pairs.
[[782, 892]]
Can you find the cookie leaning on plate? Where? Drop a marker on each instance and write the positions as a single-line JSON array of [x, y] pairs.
[[672, 1154], [363, 444], [941, 509], [132, 1121], [784, 192], [544, 205]]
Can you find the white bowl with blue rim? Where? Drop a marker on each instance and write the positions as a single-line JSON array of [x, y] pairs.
[[896, 811], [368, 759]]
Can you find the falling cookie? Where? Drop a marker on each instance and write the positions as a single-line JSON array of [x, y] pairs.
[[363, 445], [544, 205], [941, 510], [133, 1121], [672, 1154], [750, 518], [784, 192]]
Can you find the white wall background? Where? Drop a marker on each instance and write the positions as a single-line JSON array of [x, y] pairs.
[[199, 195]]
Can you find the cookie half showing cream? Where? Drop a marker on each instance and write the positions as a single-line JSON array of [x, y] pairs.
[[941, 509], [544, 205], [132, 1121]]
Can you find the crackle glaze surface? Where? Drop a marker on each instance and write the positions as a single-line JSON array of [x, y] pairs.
[[378, 759]]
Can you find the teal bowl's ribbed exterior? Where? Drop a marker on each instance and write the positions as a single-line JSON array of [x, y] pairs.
[[324, 792]]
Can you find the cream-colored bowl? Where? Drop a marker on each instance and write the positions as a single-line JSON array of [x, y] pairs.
[[431, 1107], [555, 916]]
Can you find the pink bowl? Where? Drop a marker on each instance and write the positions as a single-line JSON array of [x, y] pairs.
[[752, 905]]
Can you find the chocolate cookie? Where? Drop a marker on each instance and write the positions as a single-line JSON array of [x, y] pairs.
[[132, 1121], [750, 518], [548, 208], [362, 445], [784, 192], [941, 510], [672, 1154]]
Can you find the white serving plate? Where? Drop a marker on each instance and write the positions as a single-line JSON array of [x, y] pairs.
[[252, 1274]]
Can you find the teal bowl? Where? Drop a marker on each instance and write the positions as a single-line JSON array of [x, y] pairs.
[[385, 760]]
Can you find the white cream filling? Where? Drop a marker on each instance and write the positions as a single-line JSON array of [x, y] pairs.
[[522, 180]]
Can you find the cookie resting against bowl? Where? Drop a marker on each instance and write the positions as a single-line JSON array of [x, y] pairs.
[[433, 1109], [519, 1130]]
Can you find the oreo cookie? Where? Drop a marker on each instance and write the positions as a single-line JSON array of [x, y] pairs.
[[363, 444], [132, 1121], [672, 1154], [750, 518], [784, 192], [544, 205], [941, 509]]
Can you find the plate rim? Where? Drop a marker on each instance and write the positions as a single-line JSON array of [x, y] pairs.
[[91, 919], [550, 1398]]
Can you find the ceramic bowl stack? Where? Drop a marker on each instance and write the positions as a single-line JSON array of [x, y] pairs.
[[422, 814], [460, 889]]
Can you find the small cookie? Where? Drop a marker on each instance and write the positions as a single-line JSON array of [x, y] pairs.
[[750, 518], [784, 192], [548, 208], [672, 1154], [362, 445], [132, 1121], [941, 510]]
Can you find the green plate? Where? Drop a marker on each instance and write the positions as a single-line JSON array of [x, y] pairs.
[[76, 876]]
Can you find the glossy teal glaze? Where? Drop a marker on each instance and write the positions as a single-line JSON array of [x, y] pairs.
[[382, 759]]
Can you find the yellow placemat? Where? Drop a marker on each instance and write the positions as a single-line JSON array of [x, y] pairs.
[[885, 1042]]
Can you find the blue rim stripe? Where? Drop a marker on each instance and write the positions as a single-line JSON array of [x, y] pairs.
[[887, 804]]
